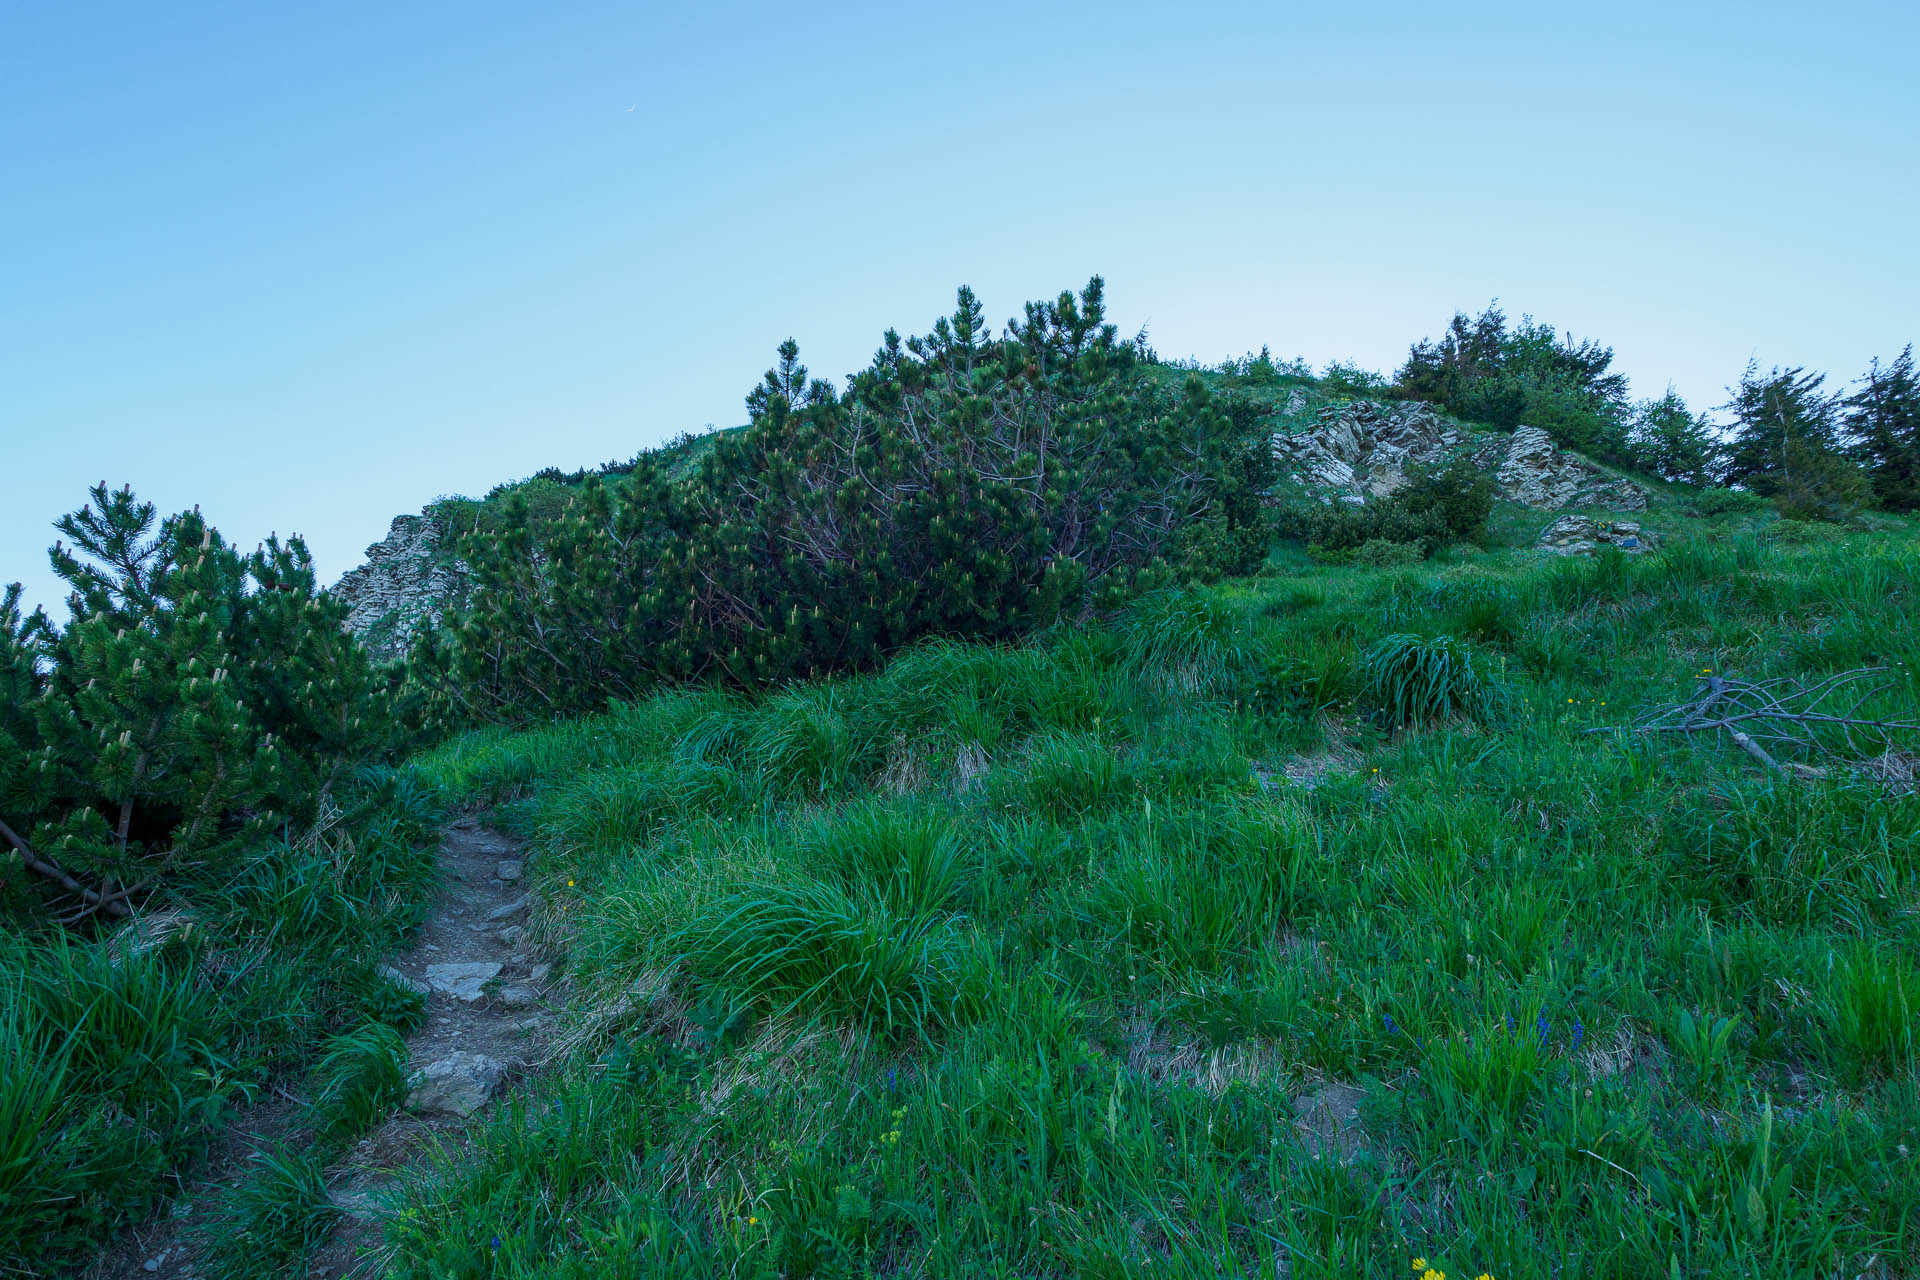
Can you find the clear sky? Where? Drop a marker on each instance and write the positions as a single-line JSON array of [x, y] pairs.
[[313, 265]]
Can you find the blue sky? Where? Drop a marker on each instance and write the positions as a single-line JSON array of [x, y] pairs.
[[310, 266]]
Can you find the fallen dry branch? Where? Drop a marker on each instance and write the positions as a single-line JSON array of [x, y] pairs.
[[1784, 717]]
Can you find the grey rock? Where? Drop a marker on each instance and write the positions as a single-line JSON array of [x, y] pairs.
[[405, 585], [400, 979], [511, 909], [1329, 1120], [1582, 535], [1361, 450], [457, 1085], [509, 870], [462, 981], [360, 1206], [520, 997], [1535, 472], [540, 971], [511, 935]]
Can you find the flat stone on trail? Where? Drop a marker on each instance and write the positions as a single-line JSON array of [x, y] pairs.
[[520, 997], [1329, 1120], [512, 909], [462, 981], [457, 1085], [400, 979], [510, 870]]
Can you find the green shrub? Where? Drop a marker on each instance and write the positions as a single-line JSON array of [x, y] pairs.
[[1482, 607], [1719, 501], [1191, 640], [839, 528], [1304, 684], [1378, 553], [1458, 498], [812, 948], [197, 701], [113, 1078], [908, 857], [1872, 1015], [1437, 505]]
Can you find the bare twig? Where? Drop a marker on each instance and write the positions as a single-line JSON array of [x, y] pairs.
[[1784, 712]]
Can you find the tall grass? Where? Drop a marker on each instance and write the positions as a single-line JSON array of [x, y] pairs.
[[121, 1057]]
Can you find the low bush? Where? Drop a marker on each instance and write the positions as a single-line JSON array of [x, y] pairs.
[[1435, 506], [961, 486]]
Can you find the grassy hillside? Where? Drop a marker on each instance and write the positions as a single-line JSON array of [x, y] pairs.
[[1299, 926]]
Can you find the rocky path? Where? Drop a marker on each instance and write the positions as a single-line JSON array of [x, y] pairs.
[[487, 1022]]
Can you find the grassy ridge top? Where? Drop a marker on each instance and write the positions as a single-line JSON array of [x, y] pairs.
[[1068, 958]]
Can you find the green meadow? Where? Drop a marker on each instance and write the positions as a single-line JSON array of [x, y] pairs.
[[1319, 923]]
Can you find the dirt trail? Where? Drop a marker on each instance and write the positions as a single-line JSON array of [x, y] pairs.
[[487, 1022]]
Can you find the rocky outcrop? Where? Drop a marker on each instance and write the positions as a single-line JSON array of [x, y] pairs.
[[1361, 450], [1535, 472], [1580, 535], [404, 585]]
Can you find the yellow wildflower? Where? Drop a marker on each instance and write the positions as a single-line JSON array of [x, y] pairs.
[[753, 1222], [1419, 1264]]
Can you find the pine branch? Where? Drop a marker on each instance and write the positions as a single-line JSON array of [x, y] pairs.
[[113, 904]]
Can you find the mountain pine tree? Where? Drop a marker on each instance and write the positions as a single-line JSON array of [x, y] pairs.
[[962, 485], [1786, 445], [1883, 421], [196, 699]]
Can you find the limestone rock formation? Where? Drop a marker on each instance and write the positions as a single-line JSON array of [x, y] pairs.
[[1535, 472], [1361, 450], [403, 586], [1580, 535]]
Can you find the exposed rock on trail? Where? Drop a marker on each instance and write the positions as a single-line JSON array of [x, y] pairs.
[[486, 1025]]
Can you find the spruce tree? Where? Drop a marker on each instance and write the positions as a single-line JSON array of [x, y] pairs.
[[1883, 421], [1670, 441], [1786, 445]]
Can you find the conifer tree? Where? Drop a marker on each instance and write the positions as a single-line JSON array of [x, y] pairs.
[[1786, 445], [196, 699], [1671, 441], [962, 485], [1485, 370], [1883, 420]]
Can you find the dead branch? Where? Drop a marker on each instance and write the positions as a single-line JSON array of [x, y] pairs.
[[1787, 713]]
